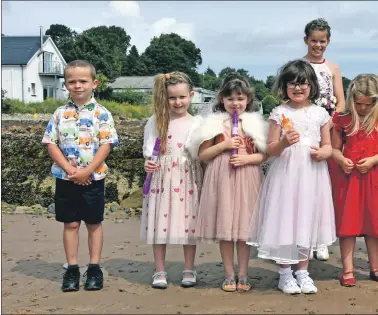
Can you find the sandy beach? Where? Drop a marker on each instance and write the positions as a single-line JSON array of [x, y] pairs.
[[32, 268]]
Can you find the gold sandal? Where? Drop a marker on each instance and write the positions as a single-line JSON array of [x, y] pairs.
[[227, 282], [243, 284]]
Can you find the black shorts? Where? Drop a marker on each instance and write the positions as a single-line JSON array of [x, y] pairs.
[[75, 203]]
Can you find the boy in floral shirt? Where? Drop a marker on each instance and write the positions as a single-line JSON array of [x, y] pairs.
[[79, 137]]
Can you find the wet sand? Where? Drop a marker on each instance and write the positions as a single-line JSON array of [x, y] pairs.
[[32, 268]]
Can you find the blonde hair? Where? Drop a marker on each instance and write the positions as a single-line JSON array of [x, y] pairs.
[[363, 85], [160, 101]]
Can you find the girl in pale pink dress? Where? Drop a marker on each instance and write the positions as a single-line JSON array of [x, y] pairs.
[[231, 182], [170, 208]]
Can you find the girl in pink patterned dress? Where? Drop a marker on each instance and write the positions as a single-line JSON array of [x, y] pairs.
[[170, 209], [232, 181]]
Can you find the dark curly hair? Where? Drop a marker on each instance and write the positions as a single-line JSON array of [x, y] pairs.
[[318, 25], [234, 82]]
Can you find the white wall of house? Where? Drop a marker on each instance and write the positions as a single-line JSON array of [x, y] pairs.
[[31, 76], [202, 97], [11, 81], [33, 81]]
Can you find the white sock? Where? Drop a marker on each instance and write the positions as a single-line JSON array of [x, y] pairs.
[[302, 273], [285, 271]]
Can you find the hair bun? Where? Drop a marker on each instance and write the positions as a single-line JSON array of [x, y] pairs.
[[235, 76]]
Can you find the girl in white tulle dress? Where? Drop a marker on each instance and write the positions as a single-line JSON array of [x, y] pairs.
[[295, 213]]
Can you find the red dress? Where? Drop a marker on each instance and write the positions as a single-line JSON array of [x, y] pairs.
[[356, 195]]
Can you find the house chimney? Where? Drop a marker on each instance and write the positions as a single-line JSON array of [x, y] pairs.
[[41, 35]]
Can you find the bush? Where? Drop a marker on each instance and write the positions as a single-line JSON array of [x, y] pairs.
[[5, 106], [131, 97], [50, 105], [269, 102]]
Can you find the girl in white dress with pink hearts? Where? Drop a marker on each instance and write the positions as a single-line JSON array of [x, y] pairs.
[[170, 208]]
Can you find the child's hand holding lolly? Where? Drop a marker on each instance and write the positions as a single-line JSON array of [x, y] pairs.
[[291, 136]]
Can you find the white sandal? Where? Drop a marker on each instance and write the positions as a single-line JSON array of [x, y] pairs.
[[159, 283], [189, 282]]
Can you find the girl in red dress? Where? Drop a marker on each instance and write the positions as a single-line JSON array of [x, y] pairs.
[[355, 187]]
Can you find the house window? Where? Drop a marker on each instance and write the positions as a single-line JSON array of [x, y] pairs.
[[48, 92], [47, 62], [33, 88]]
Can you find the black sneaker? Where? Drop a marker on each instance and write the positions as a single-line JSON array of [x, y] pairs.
[[95, 278], [71, 280]]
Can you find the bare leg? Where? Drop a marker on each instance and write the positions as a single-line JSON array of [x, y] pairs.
[[159, 257], [303, 265], [243, 258], [227, 253], [372, 247], [71, 241], [347, 245], [95, 242], [189, 256]]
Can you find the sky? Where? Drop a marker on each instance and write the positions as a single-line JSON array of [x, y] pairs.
[[259, 36]]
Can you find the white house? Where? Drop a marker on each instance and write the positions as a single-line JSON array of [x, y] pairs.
[[32, 68]]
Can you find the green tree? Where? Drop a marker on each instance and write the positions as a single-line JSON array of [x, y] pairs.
[[225, 71], [270, 81], [268, 103], [134, 64], [60, 33], [346, 83], [113, 37], [105, 47], [103, 82], [211, 82], [261, 90], [243, 72], [210, 72], [171, 52]]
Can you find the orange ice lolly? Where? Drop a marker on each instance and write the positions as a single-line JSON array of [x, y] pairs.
[[286, 123]]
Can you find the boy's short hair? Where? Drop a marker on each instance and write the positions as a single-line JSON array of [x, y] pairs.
[[81, 64]]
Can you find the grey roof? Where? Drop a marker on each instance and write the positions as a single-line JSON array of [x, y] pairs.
[[135, 82], [17, 50], [140, 82]]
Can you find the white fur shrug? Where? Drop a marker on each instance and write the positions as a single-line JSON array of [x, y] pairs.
[[253, 125], [150, 134]]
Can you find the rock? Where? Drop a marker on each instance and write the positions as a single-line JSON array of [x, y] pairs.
[[127, 211], [51, 208], [8, 208], [134, 200], [138, 210], [114, 207], [22, 210], [118, 221]]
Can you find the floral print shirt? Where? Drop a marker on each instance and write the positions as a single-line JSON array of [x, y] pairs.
[[79, 133]]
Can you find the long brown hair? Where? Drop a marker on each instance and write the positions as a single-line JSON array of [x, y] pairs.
[[160, 101]]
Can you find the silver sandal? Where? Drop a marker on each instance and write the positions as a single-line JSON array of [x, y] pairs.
[[159, 283], [189, 282]]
